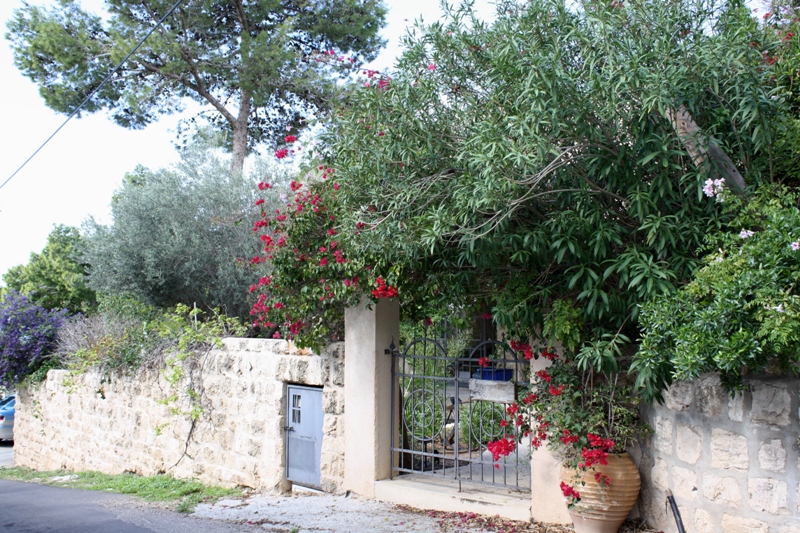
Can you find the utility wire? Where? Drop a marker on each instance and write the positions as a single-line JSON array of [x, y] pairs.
[[91, 94]]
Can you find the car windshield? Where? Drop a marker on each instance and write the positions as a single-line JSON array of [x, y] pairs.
[[6, 401]]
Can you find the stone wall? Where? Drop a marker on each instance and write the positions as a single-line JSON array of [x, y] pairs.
[[731, 462], [119, 424]]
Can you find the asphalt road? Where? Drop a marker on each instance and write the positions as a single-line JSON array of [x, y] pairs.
[[33, 508]]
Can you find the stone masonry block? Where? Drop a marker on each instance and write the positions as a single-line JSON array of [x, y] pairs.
[[679, 396], [738, 524], [659, 475], [768, 495], [662, 438], [771, 405], [684, 483], [710, 397], [736, 407], [723, 490], [703, 523], [332, 402], [728, 450], [772, 456], [689, 444]]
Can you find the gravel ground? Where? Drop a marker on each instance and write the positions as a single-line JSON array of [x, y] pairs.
[[325, 513]]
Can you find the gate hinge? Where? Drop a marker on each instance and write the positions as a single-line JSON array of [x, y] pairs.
[[288, 428]]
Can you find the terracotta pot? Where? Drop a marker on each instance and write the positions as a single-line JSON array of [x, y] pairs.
[[603, 509]]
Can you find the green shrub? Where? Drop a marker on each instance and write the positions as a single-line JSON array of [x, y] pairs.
[[741, 312]]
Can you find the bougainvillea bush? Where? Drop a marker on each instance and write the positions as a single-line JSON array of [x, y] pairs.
[[27, 336], [582, 406], [741, 312], [311, 276]]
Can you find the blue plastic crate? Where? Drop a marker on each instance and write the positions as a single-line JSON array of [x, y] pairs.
[[494, 374]]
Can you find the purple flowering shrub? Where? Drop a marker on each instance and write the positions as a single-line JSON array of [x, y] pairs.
[[27, 336]]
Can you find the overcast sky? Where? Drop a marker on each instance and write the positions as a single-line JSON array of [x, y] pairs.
[[75, 175]]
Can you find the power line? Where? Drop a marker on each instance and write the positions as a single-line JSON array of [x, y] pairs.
[[91, 94]]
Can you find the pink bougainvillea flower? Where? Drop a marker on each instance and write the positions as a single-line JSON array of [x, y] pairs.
[[290, 139], [381, 134], [259, 201], [431, 67], [795, 245], [280, 154], [264, 185]]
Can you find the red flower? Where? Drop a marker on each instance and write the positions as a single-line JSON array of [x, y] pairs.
[[280, 154], [483, 361], [428, 321], [602, 479], [593, 457], [569, 491], [549, 355], [486, 316], [530, 398], [295, 185], [556, 391], [259, 201], [323, 261], [263, 185], [501, 448], [567, 438], [290, 138], [544, 375], [381, 134]]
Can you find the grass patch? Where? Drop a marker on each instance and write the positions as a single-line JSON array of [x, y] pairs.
[[185, 494]]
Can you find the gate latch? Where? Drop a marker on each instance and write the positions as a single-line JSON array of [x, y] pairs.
[[288, 428], [392, 349]]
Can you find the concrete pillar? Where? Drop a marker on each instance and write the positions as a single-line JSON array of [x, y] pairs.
[[547, 503], [367, 393]]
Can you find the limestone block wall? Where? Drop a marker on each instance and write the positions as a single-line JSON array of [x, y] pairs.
[[117, 424], [731, 462]]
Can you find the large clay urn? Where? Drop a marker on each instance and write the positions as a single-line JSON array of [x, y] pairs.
[[602, 509]]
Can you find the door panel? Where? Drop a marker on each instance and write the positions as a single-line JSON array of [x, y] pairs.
[[303, 435]]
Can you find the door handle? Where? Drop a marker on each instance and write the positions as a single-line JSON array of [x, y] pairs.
[[288, 428]]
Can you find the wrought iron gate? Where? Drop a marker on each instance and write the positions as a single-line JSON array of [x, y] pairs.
[[449, 400]]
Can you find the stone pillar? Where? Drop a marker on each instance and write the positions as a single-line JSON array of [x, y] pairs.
[[547, 503], [369, 329]]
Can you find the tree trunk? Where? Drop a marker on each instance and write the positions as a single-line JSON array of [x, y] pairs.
[[702, 149], [240, 133]]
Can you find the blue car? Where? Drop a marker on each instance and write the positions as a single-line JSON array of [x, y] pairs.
[[7, 417]]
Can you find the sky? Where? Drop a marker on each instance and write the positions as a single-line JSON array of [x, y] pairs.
[[75, 175]]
